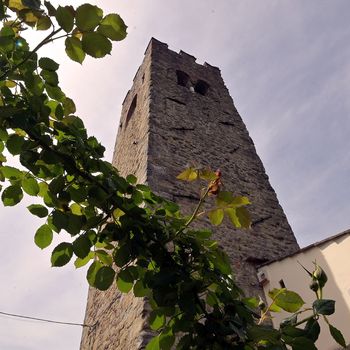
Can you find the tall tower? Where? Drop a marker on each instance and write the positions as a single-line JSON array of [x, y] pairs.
[[179, 112]]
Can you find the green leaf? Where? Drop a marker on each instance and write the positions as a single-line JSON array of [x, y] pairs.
[[312, 329], [188, 174], [286, 299], [14, 144], [113, 27], [55, 92], [30, 186], [104, 278], [62, 254], [48, 64], [43, 236], [74, 49], [43, 23], [153, 344], [132, 179], [324, 306], [32, 4], [156, 319], [166, 339], [50, 77], [92, 271], [125, 281], [251, 302], [81, 246], [12, 195], [68, 106], [121, 255], [216, 216], [96, 45], [38, 210], [104, 257], [88, 17], [140, 290], [221, 261], [11, 173], [65, 18], [259, 333], [302, 343], [82, 262], [243, 217], [337, 336]]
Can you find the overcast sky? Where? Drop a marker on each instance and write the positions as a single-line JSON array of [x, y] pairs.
[[287, 66]]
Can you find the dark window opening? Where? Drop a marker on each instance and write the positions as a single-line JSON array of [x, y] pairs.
[[282, 285], [143, 78], [182, 78], [131, 110], [201, 87]]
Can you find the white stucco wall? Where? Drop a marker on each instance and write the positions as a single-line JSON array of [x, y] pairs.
[[334, 257]]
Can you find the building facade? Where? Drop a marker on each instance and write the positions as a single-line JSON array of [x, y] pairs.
[[179, 112], [332, 255]]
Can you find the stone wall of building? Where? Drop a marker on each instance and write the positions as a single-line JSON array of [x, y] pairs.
[[177, 113]]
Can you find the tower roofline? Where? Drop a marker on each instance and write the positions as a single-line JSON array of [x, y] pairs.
[[159, 45]]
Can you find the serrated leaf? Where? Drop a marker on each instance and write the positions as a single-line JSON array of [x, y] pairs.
[[324, 306], [65, 18], [12, 195], [38, 210], [30, 186], [188, 174], [62, 254], [113, 27], [96, 45], [74, 49], [88, 17], [216, 216], [43, 236], [337, 336], [48, 64], [104, 278]]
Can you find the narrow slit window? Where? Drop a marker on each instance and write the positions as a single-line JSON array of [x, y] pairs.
[[201, 87], [182, 78], [131, 110], [281, 283]]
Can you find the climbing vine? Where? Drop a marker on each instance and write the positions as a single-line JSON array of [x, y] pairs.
[[128, 235]]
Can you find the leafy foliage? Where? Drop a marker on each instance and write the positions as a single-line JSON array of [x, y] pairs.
[[113, 221]]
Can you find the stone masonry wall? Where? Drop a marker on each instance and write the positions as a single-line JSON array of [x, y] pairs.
[[170, 127]]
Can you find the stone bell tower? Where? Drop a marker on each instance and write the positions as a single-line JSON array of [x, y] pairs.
[[179, 112]]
